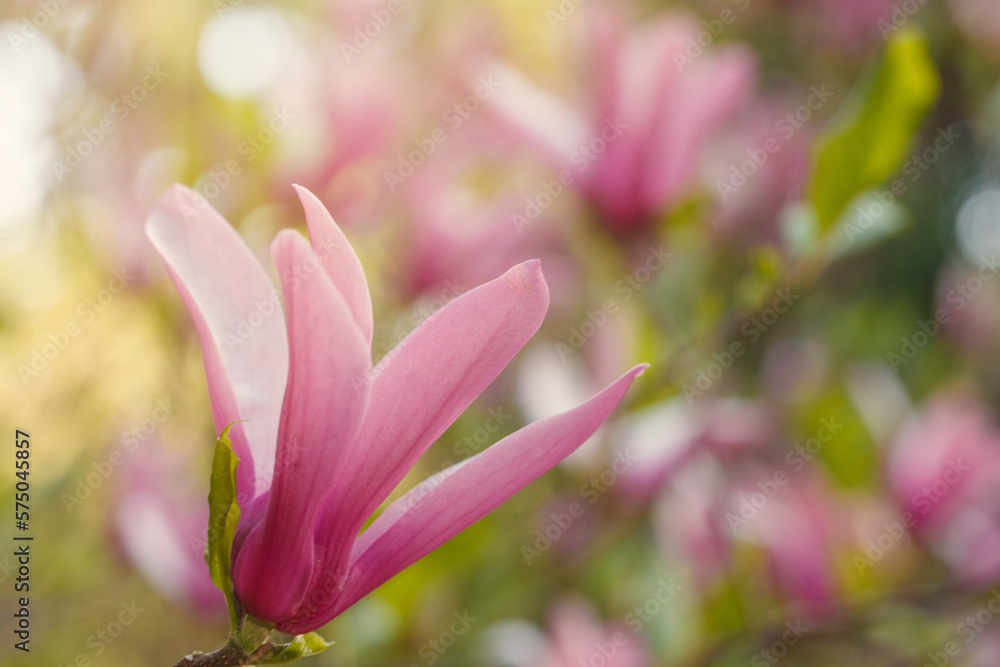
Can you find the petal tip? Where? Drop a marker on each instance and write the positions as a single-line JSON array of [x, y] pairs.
[[174, 192], [529, 275], [305, 194], [631, 374], [315, 210], [302, 191], [285, 240], [176, 203], [527, 280]]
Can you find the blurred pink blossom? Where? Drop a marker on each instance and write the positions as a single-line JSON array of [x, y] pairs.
[[455, 233], [662, 437], [635, 148], [799, 526], [578, 637], [944, 470], [121, 182], [762, 166], [688, 520], [349, 122], [160, 529]]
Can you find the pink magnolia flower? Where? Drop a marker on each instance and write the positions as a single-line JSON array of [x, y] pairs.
[[793, 517], [664, 437], [944, 470], [349, 121], [808, 530], [454, 233], [575, 636], [657, 97], [578, 637], [751, 191], [799, 530], [328, 436], [689, 522]]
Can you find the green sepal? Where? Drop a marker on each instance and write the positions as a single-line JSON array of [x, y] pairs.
[[302, 646], [223, 516], [870, 140]]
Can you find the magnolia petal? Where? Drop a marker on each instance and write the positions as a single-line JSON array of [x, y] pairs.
[[325, 401], [419, 389], [542, 118], [223, 285], [339, 260], [713, 90]]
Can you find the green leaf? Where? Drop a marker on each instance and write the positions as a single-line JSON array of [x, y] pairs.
[[876, 128], [302, 646], [223, 515]]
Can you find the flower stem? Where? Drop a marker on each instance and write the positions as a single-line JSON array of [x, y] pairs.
[[226, 656], [247, 644]]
